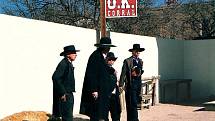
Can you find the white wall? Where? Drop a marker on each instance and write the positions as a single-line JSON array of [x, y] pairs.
[[171, 61], [191, 59], [30, 51], [200, 66], [171, 58]]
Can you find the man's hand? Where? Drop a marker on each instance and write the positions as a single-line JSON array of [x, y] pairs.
[[95, 95], [121, 89], [63, 98]]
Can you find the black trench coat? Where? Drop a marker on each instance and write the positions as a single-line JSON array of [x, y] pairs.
[[63, 82], [97, 79]]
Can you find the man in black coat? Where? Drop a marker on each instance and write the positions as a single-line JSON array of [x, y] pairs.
[[64, 85], [96, 87], [114, 106], [130, 79]]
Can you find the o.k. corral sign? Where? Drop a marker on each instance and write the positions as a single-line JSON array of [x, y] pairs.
[[120, 8]]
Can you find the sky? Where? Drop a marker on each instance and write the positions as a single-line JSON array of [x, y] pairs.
[[1, 11], [1, 2]]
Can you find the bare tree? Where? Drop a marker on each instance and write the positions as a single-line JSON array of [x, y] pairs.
[[72, 12], [177, 19], [200, 18]]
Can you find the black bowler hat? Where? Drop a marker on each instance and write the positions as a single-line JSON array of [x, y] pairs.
[[111, 56], [104, 42], [136, 47], [68, 49]]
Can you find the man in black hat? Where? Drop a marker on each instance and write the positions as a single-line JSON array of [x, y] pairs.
[[64, 85], [114, 104], [130, 79], [96, 87]]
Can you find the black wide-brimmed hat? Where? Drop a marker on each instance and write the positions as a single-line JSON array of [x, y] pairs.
[[104, 42], [111, 56], [68, 49], [136, 47]]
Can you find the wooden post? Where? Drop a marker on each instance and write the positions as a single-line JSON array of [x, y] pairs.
[[102, 18], [97, 35]]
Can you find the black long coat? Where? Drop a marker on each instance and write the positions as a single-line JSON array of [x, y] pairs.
[[116, 87], [96, 80], [63, 82]]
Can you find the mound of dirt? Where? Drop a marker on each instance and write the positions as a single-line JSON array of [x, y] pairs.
[[27, 116]]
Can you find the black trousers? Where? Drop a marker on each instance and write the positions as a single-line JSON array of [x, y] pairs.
[[112, 105], [132, 98], [67, 108], [115, 109], [94, 115], [99, 115]]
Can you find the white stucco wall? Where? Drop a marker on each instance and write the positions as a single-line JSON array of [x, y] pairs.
[[30, 51], [190, 59], [171, 58], [170, 64], [199, 65]]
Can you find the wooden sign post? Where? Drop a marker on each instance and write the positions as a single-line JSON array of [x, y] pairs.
[[102, 18]]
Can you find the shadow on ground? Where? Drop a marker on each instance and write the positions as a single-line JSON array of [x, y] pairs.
[[195, 103], [80, 119], [191, 102], [51, 118]]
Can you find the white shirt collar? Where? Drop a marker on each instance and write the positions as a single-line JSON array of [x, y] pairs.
[[104, 55]]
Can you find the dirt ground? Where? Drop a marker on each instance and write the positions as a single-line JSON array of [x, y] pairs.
[[159, 112], [170, 112]]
